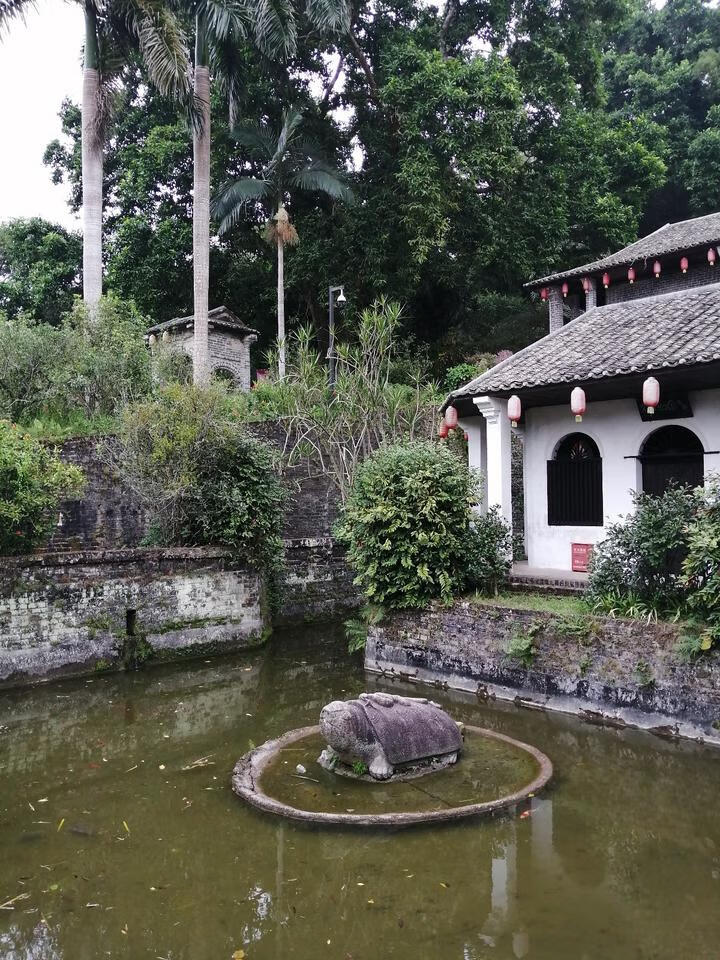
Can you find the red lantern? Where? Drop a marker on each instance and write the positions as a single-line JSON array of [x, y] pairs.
[[586, 284], [651, 394], [577, 403], [565, 289], [711, 256], [443, 431], [451, 417], [657, 269], [631, 274], [606, 280], [544, 294], [684, 264], [514, 409]]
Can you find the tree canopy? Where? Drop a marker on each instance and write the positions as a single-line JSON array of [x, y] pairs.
[[486, 141]]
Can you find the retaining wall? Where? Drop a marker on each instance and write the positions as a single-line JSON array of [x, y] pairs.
[[71, 613], [611, 671]]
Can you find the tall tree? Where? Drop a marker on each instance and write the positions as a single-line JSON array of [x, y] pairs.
[[115, 31], [288, 163], [220, 24]]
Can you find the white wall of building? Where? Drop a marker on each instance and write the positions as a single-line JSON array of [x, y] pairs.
[[617, 429]]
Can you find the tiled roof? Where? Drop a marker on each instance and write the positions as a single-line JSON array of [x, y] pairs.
[[218, 317], [673, 330], [672, 238]]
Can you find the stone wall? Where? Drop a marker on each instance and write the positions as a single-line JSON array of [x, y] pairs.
[[110, 516], [318, 583], [611, 671], [670, 281], [70, 613]]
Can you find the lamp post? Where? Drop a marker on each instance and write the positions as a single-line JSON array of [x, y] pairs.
[[331, 331]]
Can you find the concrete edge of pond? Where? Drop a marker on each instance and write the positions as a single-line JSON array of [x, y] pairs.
[[249, 768]]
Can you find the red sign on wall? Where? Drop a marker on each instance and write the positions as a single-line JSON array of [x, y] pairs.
[[581, 556]]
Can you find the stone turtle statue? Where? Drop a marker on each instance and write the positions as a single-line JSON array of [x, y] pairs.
[[385, 731]]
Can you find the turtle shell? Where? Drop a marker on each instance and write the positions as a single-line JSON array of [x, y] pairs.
[[410, 729]]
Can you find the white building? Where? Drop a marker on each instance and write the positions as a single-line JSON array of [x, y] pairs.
[[651, 310]]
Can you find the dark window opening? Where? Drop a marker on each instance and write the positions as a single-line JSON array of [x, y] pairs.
[[671, 455], [574, 483], [130, 622]]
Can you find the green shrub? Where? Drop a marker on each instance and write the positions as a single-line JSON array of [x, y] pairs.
[[701, 568], [32, 482], [406, 524], [488, 551], [200, 476], [641, 557], [88, 368]]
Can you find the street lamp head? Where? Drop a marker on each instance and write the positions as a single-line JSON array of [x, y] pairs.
[[342, 298]]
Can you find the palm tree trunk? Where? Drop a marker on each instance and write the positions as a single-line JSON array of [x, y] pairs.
[[201, 208], [281, 307], [92, 167]]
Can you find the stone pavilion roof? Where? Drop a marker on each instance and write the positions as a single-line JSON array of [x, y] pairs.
[[217, 317]]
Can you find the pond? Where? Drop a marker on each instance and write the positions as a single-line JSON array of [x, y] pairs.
[[120, 836]]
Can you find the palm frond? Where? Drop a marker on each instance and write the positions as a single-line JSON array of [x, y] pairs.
[[232, 199], [14, 10], [292, 119], [275, 28], [320, 179], [226, 19], [255, 136], [163, 47], [329, 15]]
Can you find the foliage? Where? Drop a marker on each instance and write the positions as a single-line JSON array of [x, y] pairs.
[[342, 426], [639, 561], [701, 567], [488, 551], [463, 373], [521, 645], [32, 482], [81, 371], [356, 628], [200, 476], [40, 269], [406, 524]]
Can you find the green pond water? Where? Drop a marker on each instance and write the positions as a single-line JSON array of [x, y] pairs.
[[110, 848]]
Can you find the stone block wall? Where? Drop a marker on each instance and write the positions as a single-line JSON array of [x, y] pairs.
[[616, 671], [70, 613], [318, 582]]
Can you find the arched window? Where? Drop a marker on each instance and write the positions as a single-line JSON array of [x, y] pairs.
[[574, 483], [671, 455], [223, 375]]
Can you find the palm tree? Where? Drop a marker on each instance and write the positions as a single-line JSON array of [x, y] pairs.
[[288, 163], [115, 30], [220, 25]]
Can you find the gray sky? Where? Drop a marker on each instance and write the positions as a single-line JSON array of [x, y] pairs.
[[39, 66]]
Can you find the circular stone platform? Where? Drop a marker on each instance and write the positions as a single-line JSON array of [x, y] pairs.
[[249, 770]]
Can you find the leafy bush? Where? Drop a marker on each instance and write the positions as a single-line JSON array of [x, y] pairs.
[[462, 373], [641, 557], [103, 362], [406, 524], [200, 476], [32, 482], [488, 552], [701, 568], [88, 367]]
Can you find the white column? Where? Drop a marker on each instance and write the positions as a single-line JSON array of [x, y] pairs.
[[497, 431], [474, 427]]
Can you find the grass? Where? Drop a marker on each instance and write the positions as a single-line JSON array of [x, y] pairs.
[[564, 606]]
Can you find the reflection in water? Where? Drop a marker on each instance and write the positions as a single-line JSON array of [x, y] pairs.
[[116, 849]]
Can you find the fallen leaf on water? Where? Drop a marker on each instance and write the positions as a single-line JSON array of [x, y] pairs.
[[8, 905], [60, 825], [127, 828], [446, 885], [239, 955], [371, 901]]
